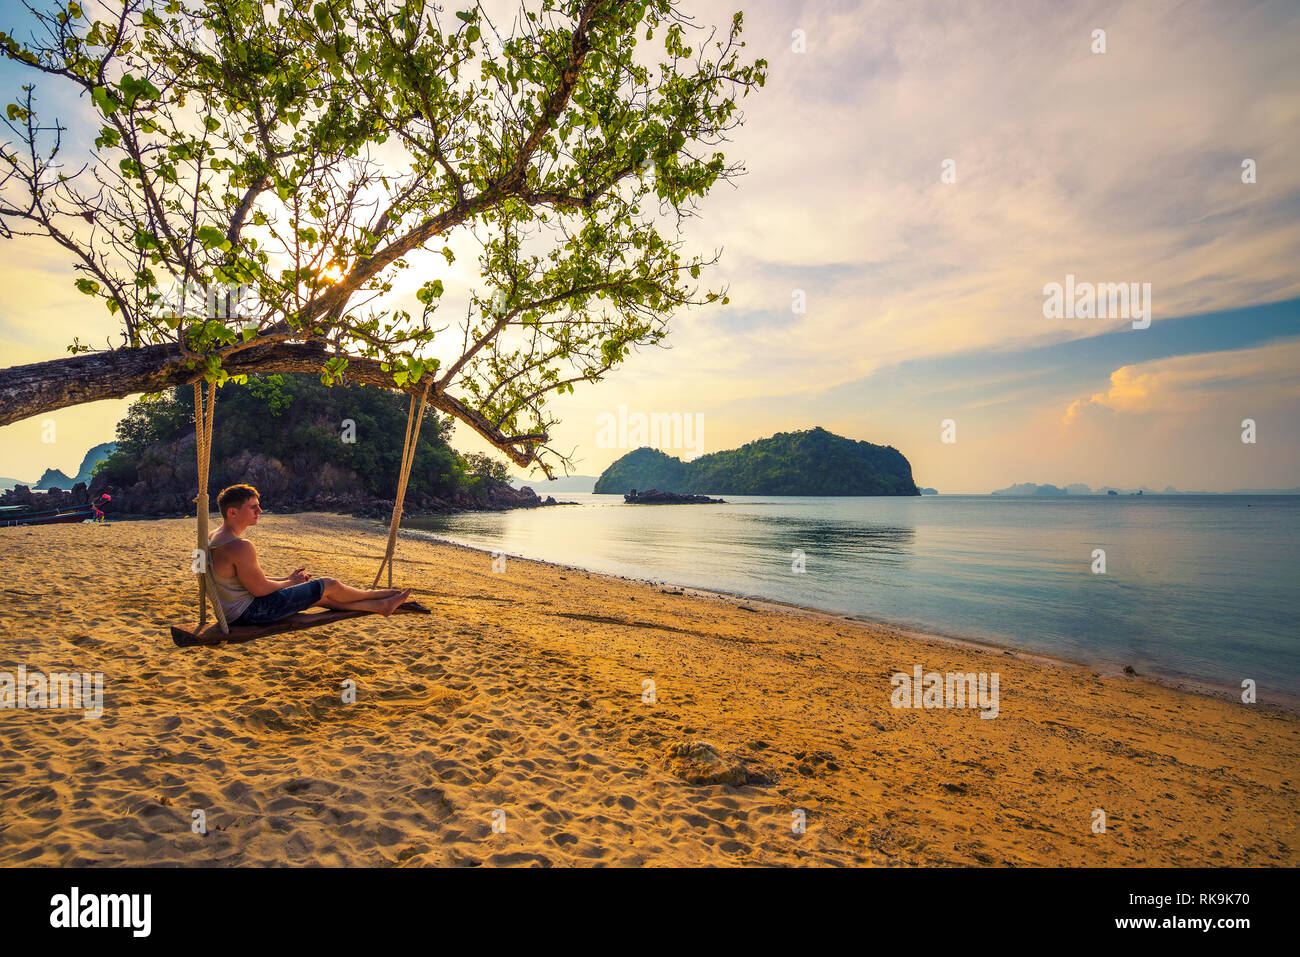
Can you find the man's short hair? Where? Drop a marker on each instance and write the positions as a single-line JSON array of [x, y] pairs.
[[235, 497]]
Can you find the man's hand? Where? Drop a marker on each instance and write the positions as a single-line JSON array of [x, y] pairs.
[[299, 576]]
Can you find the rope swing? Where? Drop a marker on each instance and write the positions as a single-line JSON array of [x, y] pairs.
[[203, 414], [413, 423], [203, 454]]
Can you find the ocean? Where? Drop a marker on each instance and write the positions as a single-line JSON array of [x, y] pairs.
[[1198, 589]]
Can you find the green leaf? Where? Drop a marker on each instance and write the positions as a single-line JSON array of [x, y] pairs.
[[472, 34], [108, 137], [429, 291], [211, 237], [105, 100], [211, 124], [134, 89], [465, 16], [88, 286]]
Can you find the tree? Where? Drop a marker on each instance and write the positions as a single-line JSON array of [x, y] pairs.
[[294, 156], [296, 420], [487, 468]]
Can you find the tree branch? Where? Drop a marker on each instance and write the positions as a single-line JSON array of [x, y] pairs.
[[41, 387]]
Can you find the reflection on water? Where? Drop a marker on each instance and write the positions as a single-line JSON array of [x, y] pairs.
[[1202, 587], [868, 541]]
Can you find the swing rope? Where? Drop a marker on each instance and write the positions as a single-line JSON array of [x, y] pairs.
[[203, 454], [203, 418], [413, 422]]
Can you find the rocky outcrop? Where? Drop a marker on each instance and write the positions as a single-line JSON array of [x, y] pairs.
[[656, 497], [47, 499], [701, 763], [54, 478]]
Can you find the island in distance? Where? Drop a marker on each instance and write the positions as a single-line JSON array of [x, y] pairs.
[[1032, 489], [812, 462]]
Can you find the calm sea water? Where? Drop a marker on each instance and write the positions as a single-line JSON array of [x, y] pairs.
[[1198, 588]]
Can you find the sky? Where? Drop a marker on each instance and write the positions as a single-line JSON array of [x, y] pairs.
[[917, 173]]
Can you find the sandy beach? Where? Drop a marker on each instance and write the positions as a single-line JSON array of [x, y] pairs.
[[515, 726]]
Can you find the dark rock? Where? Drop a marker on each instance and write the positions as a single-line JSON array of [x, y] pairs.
[[699, 762], [656, 497], [266, 474]]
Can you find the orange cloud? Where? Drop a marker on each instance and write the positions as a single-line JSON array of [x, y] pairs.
[[1190, 383]]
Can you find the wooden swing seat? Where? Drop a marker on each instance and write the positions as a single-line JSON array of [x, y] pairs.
[[213, 635]]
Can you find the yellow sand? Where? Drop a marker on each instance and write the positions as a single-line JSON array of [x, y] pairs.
[[523, 694]]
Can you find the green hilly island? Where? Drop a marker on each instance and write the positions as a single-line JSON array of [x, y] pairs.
[[813, 462]]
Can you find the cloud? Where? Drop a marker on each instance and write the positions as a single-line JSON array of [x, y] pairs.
[[1116, 167], [1186, 385]]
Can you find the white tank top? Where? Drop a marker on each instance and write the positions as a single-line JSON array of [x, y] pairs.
[[232, 594]]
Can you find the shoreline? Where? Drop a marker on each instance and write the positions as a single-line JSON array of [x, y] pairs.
[[1171, 680], [602, 720]]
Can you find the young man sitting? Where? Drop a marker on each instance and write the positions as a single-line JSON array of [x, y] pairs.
[[249, 597]]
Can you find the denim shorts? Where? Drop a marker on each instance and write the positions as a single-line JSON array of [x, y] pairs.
[[283, 603]]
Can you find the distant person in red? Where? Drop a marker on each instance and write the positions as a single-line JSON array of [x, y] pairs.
[[102, 504]]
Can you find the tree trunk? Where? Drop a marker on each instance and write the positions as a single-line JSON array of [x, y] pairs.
[[40, 387]]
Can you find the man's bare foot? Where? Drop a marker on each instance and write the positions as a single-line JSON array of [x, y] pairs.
[[390, 604]]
